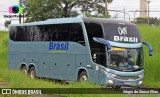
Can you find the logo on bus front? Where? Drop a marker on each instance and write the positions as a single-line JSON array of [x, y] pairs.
[[58, 46], [122, 31], [123, 36]]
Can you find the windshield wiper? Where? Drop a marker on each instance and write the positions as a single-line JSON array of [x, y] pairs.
[[131, 51], [125, 70]]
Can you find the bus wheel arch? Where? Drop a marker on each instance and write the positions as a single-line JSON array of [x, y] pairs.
[[82, 75], [32, 71], [24, 68]]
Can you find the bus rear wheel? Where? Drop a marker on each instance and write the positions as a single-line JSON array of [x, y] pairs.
[[32, 72], [24, 69], [83, 76]]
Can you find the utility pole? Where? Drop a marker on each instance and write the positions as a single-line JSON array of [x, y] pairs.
[[23, 16], [124, 13], [20, 14], [106, 8], [135, 15], [148, 11]]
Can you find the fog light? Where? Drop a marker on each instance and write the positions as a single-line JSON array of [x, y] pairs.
[[140, 82], [110, 81]]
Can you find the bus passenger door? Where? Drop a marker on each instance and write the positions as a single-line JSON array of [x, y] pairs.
[[97, 50], [93, 73]]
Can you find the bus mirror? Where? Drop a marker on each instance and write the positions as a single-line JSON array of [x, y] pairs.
[[103, 41], [150, 48], [108, 45]]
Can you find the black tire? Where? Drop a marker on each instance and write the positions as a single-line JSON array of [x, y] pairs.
[[32, 72], [24, 70], [83, 76], [117, 87]]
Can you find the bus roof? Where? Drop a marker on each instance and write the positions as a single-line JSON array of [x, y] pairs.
[[52, 21], [74, 20], [106, 20]]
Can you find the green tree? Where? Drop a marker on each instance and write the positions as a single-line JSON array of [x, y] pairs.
[[43, 9], [152, 21], [37, 10], [100, 8], [6, 23], [106, 6]]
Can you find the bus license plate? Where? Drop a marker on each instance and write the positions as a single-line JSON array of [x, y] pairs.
[[127, 83]]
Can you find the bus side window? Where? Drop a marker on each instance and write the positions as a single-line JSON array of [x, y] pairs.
[[12, 33], [31, 31], [52, 32], [47, 33], [20, 34], [62, 29], [76, 34]]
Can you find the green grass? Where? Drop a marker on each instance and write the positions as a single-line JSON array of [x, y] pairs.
[[151, 64], [3, 50], [15, 79]]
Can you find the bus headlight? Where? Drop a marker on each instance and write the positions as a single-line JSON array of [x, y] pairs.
[[141, 75], [110, 81], [113, 75], [140, 82]]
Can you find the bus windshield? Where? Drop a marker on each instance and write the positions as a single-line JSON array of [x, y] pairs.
[[126, 59]]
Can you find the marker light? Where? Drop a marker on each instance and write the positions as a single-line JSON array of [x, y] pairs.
[[141, 75], [110, 74]]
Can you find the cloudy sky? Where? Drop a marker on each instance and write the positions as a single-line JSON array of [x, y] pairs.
[[129, 5], [132, 5]]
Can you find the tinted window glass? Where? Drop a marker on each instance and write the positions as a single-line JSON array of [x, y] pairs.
[[94, 30], [12, 32], [97, 49], [76, 34], [20, 35], [54, 32]]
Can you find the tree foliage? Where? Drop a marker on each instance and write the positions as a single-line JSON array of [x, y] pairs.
[[6, 23], [152, 21], [37, 10]]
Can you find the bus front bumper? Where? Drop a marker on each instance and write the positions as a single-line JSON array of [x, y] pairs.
[[111, 81]]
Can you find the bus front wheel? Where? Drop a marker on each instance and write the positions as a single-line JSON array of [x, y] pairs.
[[83, 76], [32, 72]]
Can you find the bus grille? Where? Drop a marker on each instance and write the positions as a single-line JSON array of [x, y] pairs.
[[127, 77]]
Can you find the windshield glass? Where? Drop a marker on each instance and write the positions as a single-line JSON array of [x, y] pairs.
[[126, 59]]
